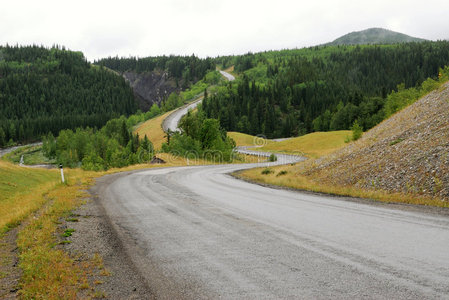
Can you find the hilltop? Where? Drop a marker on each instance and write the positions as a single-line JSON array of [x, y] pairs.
[[374, 36]]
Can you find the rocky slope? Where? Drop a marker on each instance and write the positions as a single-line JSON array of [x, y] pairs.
[[408, 152], [150, 87]]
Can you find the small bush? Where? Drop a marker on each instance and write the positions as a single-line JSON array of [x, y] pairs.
[[267, 171], [357, 130], [347, 139], [272, 157], [396, 142], [68, 232], [283, 172]]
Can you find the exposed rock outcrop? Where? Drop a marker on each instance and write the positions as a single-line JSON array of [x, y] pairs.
[[150, 87]]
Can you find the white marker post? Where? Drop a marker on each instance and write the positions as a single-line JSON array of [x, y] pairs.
[[62, 173]]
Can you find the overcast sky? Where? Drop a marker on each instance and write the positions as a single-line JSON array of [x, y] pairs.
[[209, 27]]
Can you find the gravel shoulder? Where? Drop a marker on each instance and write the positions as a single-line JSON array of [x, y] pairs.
[[95, 236]]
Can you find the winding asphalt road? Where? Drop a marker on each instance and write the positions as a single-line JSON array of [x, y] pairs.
[[199, 233], [196, 232], [171, 122]]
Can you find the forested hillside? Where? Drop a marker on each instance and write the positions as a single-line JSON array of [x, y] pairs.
[[293, 92], [46, 90]]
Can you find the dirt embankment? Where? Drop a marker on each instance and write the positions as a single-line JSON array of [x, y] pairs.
[[407, 153]]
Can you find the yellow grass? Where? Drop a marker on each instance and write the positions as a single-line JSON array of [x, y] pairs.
[[297, 180], [49, 272], [243, 139], [230, 69], [153, 129], [18, 190], [313, 145]]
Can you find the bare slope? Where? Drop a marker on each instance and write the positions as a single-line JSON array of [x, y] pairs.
[[408, 152], [150, 87]]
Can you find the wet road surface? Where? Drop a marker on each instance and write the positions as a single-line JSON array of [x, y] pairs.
[[197, 232]]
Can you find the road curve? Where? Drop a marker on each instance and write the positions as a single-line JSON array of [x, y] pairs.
[[5, 151], [228, 76], [171, 122], [198, 233]]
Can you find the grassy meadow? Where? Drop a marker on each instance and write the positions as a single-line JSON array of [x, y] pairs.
[[312, 145]]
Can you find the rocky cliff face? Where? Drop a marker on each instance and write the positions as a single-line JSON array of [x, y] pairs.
[[150, 87], [408, 152]]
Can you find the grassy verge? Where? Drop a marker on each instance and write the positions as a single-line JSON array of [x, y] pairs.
[[292, 177], [48, 271], [18, 190]]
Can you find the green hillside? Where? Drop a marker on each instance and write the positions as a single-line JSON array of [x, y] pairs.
[[374, 36]]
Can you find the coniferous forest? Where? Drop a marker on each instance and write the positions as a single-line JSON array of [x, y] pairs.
[[46, 90], [293, 92]]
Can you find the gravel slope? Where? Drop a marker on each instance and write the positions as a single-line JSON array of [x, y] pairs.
[[408, 152]]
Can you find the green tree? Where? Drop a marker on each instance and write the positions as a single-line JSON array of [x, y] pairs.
[[357, 130], [209, 133], [124, 134], [2, 137]]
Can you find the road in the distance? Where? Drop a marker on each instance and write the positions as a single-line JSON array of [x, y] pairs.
[[5, 151], [196, 232], [228, 76], [171, 122]]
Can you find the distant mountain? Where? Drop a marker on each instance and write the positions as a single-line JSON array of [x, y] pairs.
[[374, 36]]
